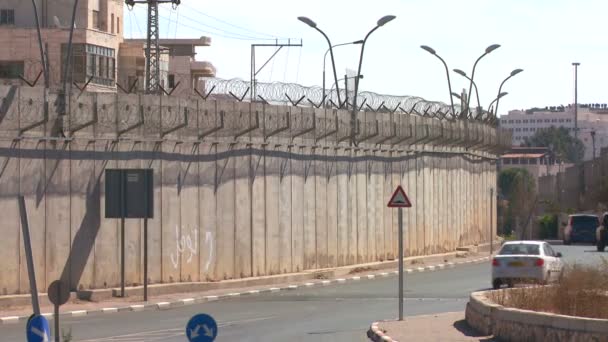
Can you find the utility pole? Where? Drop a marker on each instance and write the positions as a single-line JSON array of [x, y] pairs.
[[152, 46], [576, 64]]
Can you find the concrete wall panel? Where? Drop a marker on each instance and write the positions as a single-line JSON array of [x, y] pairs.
[[188, 190], [320, 178], [343, 190], [242, 243], [285, 204], [298, 204], [225, 212], [10, 244], [273, 188], [207, 207], [309, 211]]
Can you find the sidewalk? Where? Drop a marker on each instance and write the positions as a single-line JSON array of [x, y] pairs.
[[442, 327], [161, 296]]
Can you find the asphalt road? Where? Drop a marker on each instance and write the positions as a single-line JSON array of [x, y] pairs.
[[333, 313]]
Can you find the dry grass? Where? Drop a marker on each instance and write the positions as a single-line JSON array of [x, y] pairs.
[[583, 291]]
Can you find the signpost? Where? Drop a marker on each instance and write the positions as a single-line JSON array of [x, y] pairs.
[[130, 194], [28, 256], [201, 328], [399, 200], [37, 329], [58, 295]]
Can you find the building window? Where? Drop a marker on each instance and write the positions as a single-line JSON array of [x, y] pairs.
[[112, 23], [518, 129], [506, 161], [525, 121], [568, 120], [117, 24], [525, 129], [547, 120], [7, 17], [96, 19], [11, 69], [517, 121], [171, 81], [553, 120], [510, 121], [95, 62], [533, 129], [561, 120]]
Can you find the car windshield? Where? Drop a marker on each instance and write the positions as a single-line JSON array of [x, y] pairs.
[[520, 249]]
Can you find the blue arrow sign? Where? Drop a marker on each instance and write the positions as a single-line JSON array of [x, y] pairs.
[[37, 329], [201, 328]]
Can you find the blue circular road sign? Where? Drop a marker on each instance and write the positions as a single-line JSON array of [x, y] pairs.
[[201, 328], [37, 329]]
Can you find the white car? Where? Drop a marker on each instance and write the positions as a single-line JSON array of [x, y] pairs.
[[525, 261]]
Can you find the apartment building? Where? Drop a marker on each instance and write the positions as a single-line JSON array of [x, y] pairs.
[[97, 37], [592, 124], [179, 68], [100, 52]]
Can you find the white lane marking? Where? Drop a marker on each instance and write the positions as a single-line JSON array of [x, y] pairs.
[[292, 287], [138, 307], [109, 310], [309, 284], [254, 291], [211, 298], [79, 313], [384, 274], [420, 269], [163, 305], [371, 276], [9, 319], [356, 278], [275, 289], [188, 301], [234, 294], [341, 280]]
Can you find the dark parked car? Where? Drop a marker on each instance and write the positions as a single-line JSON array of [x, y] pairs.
[[581, 228]]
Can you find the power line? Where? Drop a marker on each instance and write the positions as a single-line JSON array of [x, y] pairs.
[[236, 34], [233, 25]]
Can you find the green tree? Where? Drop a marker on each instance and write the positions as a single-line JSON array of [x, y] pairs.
[[560, 141], [517, 187]]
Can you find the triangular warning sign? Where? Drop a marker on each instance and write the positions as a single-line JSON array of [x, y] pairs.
[[399, 199]]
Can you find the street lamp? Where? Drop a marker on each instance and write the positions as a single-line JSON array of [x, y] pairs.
[[381, 22], [312, 24], [488, 50], [447, 72], [513, 73], [325, 58], [504, 93], [463, 74]]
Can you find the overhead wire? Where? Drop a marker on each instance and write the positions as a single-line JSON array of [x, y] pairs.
[[232, 25]]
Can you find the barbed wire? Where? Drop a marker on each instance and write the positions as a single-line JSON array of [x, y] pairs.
[[289, 93]]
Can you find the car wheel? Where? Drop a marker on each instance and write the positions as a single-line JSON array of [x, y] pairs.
[[496, 284]]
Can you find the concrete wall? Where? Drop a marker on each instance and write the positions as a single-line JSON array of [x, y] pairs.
[[256, 197]]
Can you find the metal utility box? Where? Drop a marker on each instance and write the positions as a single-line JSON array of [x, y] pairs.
[[129, 193]]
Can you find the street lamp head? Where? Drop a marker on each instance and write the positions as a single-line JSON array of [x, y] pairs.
[[576, 63], [456, 95], [428, 49], [492, 48], [308, 21], [358, 42], [460, 72], [504, 93], [516, 71], [382, 21]]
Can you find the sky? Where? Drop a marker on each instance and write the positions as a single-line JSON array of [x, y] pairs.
[[543, 37]]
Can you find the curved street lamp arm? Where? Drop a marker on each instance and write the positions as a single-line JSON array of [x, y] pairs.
[[447, 72], [333, 62], [472, 77]]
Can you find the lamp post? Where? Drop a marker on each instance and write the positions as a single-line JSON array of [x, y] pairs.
[[488, 50], [576, 64], [312, 24], [447, 72], [500, 95], [381, 22], [345, 79], [513, 73], [463, 74], [325, 59]]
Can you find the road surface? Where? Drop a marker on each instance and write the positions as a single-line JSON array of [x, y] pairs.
[[341, 312]]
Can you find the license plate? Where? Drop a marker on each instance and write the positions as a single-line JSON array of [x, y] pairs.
[[516, 264]]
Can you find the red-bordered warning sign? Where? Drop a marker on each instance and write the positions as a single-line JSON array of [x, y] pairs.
[[399, 199]]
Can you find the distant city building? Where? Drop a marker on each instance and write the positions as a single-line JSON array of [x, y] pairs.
[[592, 120], [539, 161], [100, 53], [178, 64]]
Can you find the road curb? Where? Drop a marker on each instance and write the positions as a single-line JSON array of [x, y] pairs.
[[166, 305], [376, 334]]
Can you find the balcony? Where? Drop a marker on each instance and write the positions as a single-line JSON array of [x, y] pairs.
[[202, 69]]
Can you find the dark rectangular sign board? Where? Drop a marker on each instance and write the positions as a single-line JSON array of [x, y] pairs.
[[129, 193]]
